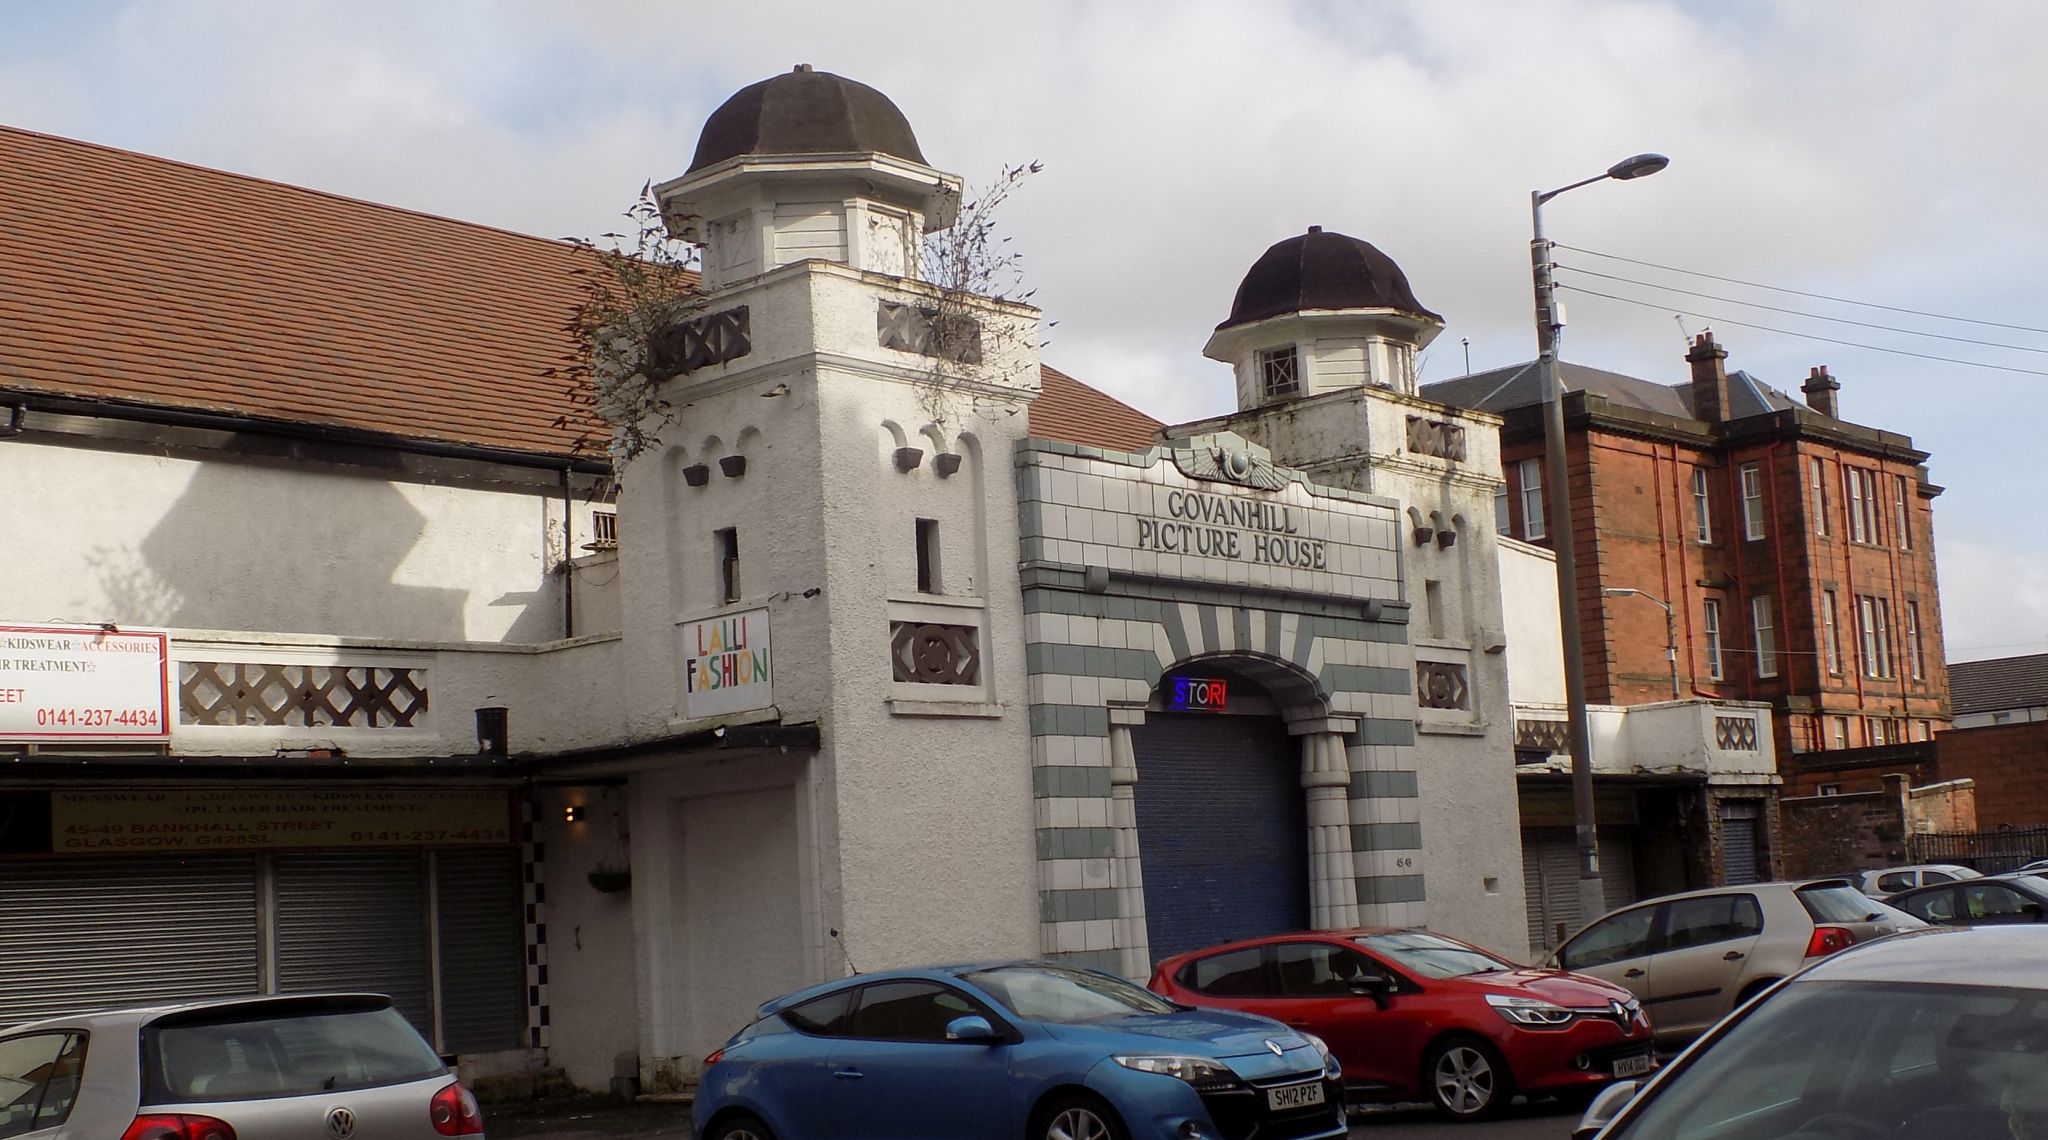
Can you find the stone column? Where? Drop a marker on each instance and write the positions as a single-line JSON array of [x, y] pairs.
[[1126, 874], [1326, 780]]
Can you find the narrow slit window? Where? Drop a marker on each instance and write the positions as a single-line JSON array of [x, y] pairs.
[[1702, 508], [1766, 636], [726, 542], [1710, 624], [1752, 502], [1820, 497], [1531, 473], [928, 556]]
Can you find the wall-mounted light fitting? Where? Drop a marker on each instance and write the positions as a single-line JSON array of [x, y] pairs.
[[572, 813]]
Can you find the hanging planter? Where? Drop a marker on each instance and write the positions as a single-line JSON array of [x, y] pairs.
[[611, 880]]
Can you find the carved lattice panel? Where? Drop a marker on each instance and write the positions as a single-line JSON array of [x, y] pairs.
[[701, 342], [1542, 735], [1441, 685], [1735, 733], [308, 696], [928, 332], [1436, 437], [928, 654]]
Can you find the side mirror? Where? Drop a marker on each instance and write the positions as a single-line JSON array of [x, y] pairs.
[[1605, 1108], [1378, 987], [972, 1030]]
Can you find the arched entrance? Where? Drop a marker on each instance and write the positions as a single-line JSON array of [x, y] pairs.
[[1221, 819]]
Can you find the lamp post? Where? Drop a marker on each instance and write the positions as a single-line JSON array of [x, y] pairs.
[[1670, 625], [1549, 322]]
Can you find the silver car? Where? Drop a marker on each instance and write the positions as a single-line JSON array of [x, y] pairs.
[[1693, 957], [316, 1067], [1940, 1034]]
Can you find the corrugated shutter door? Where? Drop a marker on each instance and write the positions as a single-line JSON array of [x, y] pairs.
[[354, 922], [1550, 873], [1222, 829], [80, 935], [1617, 867], [1738, 851], [483, 968]]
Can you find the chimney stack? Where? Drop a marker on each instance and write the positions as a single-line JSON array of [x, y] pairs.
[[1709, 379], [1820, 389]]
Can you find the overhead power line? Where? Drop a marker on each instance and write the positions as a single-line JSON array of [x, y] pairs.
[[1803, 293], [1806, 336], [1804, 313]]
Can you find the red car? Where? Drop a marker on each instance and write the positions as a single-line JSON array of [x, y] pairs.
[[1413, 1015]]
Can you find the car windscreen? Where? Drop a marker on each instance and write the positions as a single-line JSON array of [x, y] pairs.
[[1431, 956], [265, 1054], [1863, 1059], [1840, 902], [1066, 997]]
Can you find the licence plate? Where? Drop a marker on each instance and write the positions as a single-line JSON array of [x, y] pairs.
[[1632, 1066], [1295, 1096]]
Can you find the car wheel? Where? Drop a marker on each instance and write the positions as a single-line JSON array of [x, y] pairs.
[[1077, 1118], [1467, 1079], [741, 1127]]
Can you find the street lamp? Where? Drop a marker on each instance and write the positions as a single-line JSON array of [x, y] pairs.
[[1670, 626], [1548, 324]]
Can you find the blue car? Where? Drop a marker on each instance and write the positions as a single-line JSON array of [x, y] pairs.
[[1013, 1051]]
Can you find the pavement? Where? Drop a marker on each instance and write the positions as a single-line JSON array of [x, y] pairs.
[[602, 1119]]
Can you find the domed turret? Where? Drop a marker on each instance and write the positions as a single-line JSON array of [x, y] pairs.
[[1319, 270], [805, 112], [808, 165], [1318, 312]]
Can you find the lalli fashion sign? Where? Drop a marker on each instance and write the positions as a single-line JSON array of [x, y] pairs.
[[727, 665]]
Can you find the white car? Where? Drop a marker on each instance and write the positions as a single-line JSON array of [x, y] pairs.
[[277, 1068], [1891, 880]]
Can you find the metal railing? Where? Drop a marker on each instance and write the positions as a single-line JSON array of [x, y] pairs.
[[2001, 849]]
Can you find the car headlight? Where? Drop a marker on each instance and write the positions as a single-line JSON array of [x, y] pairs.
[[1529, 1011], [1331, 1069], [1193, 1070]]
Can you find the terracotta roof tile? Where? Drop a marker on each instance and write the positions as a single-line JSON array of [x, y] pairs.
[[139, 279], [132, 278], [1069, 410]]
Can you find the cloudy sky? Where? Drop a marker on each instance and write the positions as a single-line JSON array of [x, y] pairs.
[[1876, 151]]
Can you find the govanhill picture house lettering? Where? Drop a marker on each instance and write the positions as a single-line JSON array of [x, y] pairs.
[[1213, 526]]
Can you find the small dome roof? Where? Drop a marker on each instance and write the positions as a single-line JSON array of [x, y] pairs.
[[805, 112], [1318, 270]]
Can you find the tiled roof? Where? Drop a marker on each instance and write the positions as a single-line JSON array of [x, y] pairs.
[[2000, 683], [1069, 410], [132, 278], [1515, 386], [137, 279]]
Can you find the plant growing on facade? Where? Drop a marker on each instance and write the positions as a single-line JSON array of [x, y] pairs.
[[968, 264], [635, 295]]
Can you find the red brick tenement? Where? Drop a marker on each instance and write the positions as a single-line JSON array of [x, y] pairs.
[[1796, 550]]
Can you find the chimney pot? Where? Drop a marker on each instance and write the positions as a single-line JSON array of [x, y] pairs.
[[1820, 389], [1709, 378]]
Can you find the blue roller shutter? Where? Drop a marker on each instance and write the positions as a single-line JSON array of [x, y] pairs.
[[1222, 829]]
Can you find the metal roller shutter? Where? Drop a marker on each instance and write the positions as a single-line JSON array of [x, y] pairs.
[[1550, 872], [354, 922], [1222, 829], [1738, 849], [482, 942], [80, 935]]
